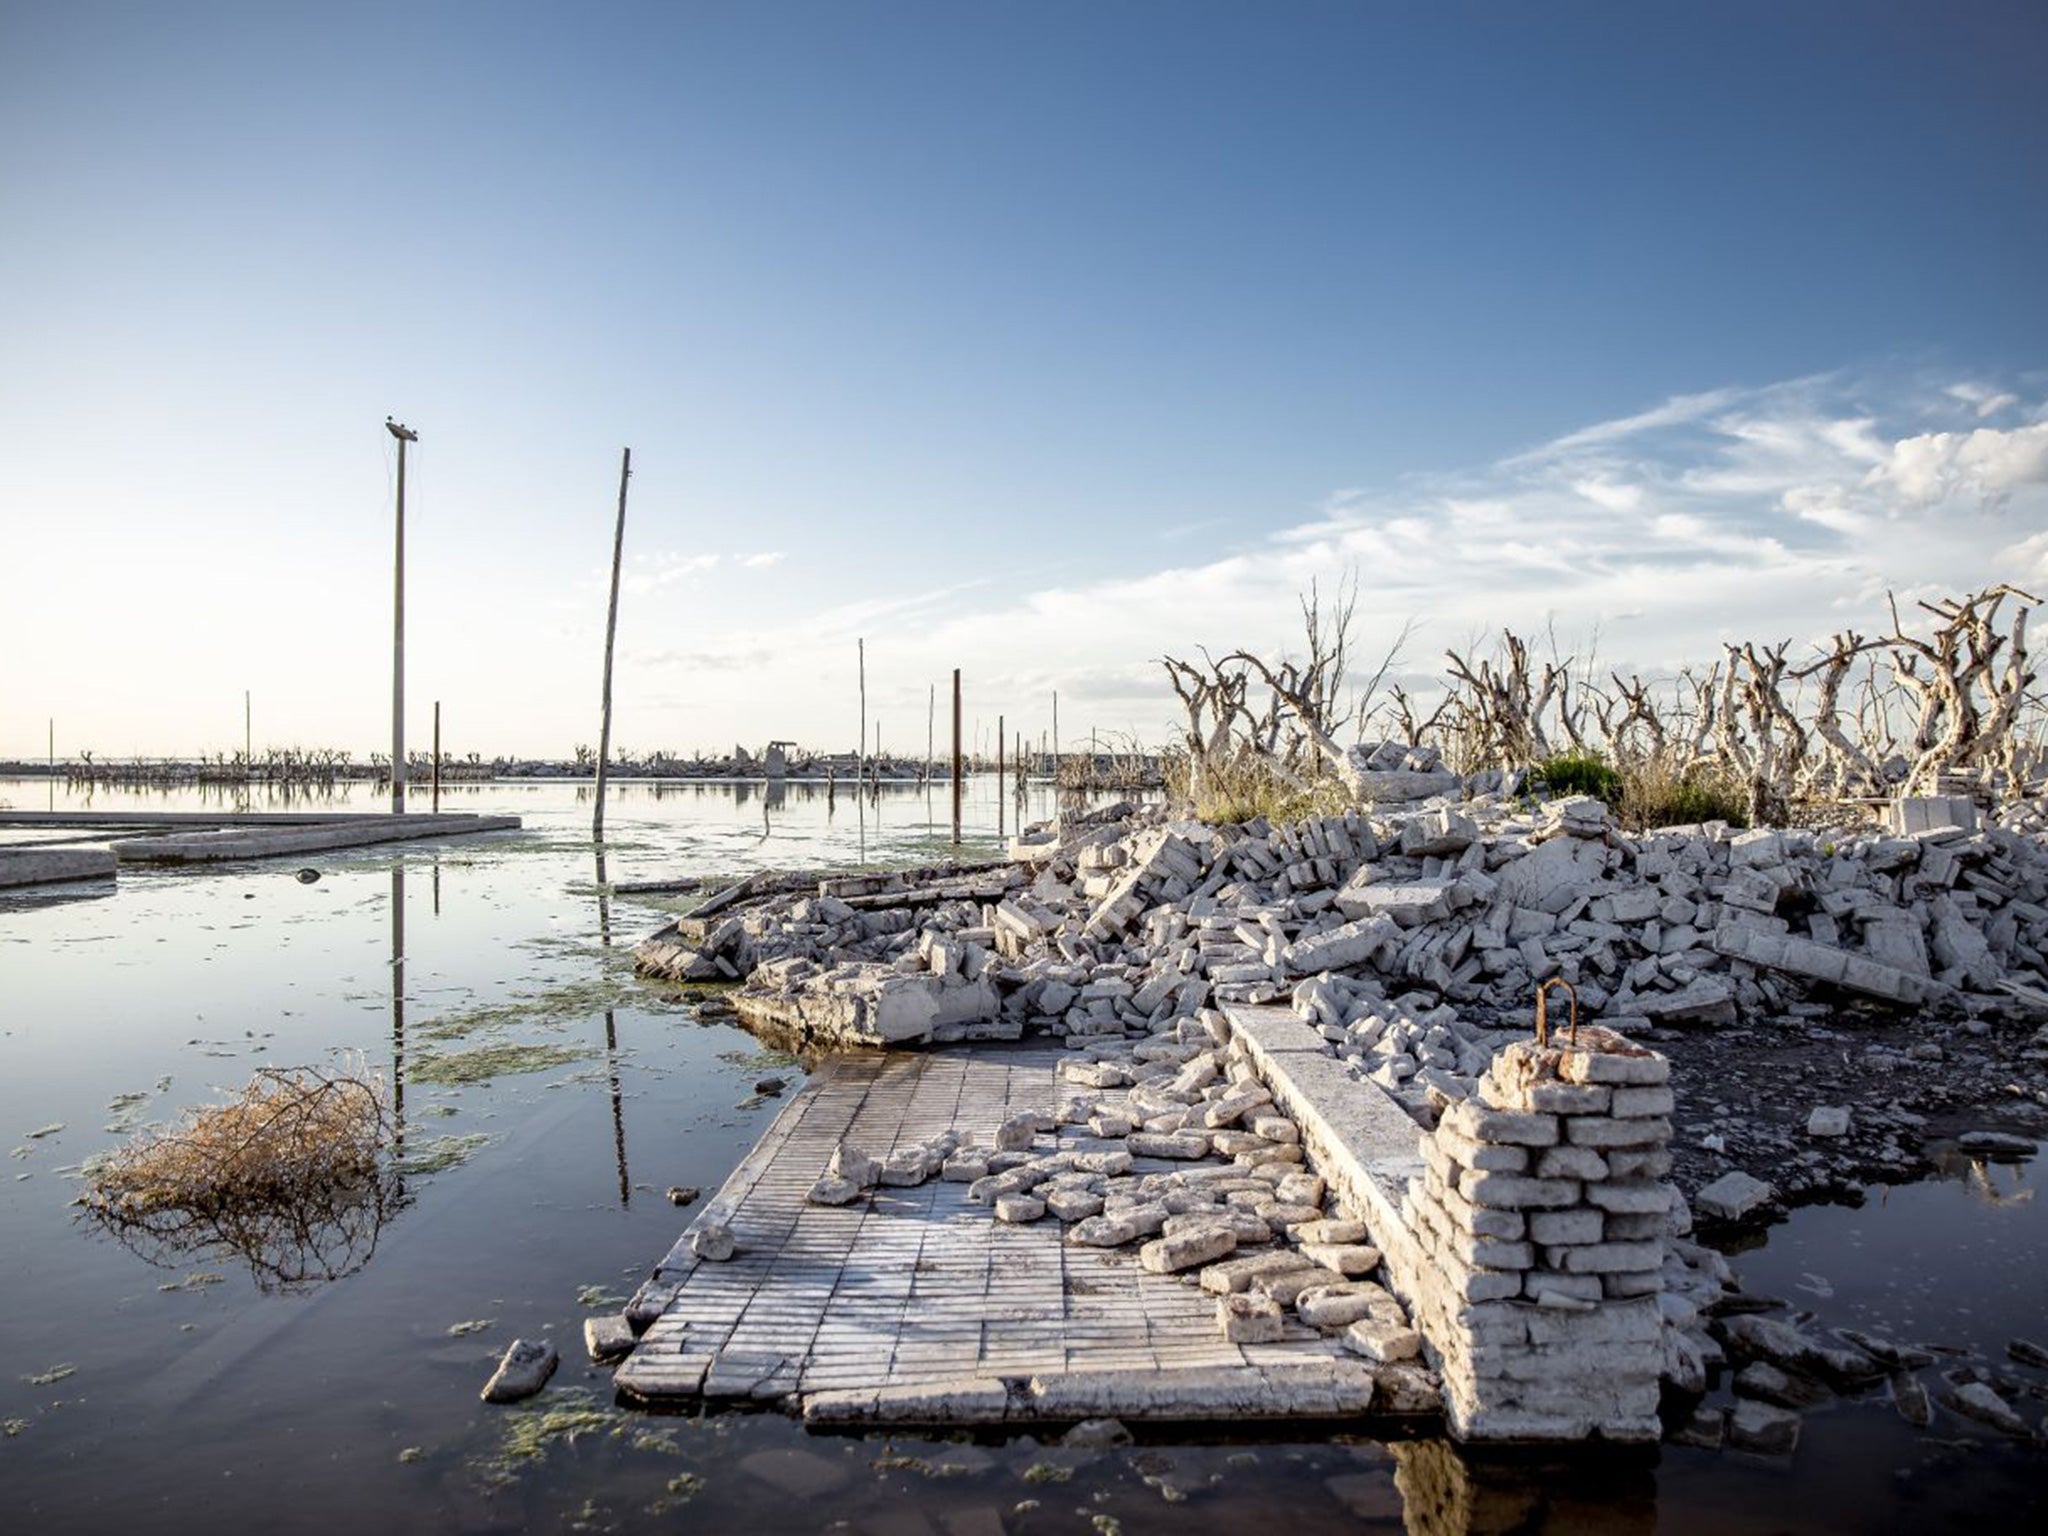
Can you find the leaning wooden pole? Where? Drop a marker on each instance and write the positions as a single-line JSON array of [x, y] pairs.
[[611, 632], [957, 773]]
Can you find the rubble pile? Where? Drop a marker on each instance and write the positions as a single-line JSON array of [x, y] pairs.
[[1404, 935]]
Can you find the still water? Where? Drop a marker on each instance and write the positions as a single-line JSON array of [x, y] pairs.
[[157, 1389]]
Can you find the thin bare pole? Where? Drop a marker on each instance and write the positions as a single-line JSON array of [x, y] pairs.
[[611, 630], [957, 775], [860, 768], [248, 757], [437, 757], [1000, 780], [1055, 746], [405, 435], [931, 717]]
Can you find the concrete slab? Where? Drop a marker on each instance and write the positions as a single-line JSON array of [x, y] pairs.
[[46, 866], [262, 842], [913, 1306]]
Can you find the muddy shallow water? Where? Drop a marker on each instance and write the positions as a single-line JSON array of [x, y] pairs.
[[550, 1101]]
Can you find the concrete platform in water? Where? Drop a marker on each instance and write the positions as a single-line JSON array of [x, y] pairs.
[[258, 842], [190, 837], [913, 1306], [50, 866]]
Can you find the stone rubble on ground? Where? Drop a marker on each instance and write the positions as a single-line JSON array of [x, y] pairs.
[[1407, 936]]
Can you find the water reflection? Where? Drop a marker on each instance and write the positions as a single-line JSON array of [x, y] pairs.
[[611, 1039], [398, 1011], [1448, 1490]]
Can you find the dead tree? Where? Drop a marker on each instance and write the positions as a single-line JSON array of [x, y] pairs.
[[1956, 730]]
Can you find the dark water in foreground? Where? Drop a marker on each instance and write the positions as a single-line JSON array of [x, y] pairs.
[[183, 1392]]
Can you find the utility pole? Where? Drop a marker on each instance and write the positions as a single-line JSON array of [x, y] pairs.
[[404, 434], [956, 757], [611, 629]]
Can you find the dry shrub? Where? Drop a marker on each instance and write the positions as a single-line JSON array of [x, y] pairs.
[[1243, 784], [290, 1174], [1662, 789]]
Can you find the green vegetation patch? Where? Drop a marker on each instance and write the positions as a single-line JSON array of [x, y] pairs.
[[554, 1007], [760, 1061], [441, 1154], [1580, 773], [569, 1415], [456, 1068]]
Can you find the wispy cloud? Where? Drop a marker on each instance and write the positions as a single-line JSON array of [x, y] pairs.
[[1784, 511]]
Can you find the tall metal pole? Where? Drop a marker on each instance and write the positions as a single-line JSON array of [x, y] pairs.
[[437, 757], [611, 629], [860, 766], [957, 775], [405, 435]]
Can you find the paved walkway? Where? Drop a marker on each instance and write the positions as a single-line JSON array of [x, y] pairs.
[[915, 1305]]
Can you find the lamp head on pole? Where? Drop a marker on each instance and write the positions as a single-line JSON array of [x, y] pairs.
[[400, 430]]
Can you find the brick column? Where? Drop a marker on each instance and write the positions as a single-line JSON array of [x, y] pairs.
[[1541, 1211]]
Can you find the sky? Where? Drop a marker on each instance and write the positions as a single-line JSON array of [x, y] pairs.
[[1038, 340]]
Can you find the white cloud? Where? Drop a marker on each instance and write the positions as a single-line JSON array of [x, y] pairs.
[[1986, 401], [1986, 463], [763, 560]]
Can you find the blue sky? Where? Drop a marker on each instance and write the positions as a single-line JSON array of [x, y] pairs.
[[1034, 339]]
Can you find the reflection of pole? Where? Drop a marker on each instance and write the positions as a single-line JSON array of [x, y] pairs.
[[956, 756], [398, 1008], [611, 629], [611, 1040], [405, 435]]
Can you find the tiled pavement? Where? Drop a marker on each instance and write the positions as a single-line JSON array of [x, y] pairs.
[[910, 1290]]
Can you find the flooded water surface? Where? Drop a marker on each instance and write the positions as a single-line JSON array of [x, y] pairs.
[[326, 1378]]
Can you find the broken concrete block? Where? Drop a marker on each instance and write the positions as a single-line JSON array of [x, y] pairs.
[[1187, 1249], [1383, 1340], [1019, 1208], [1248, 1318], [608, 1337], [1732, 1196], [833, 1190], [712, 1241], [522, 1372], [1828, 1120]]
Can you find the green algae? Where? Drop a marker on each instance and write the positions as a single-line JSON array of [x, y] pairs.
[[441, 1154], [457, 1068]]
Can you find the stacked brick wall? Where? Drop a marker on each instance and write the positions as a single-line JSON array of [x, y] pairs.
[[1541, 1215]]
